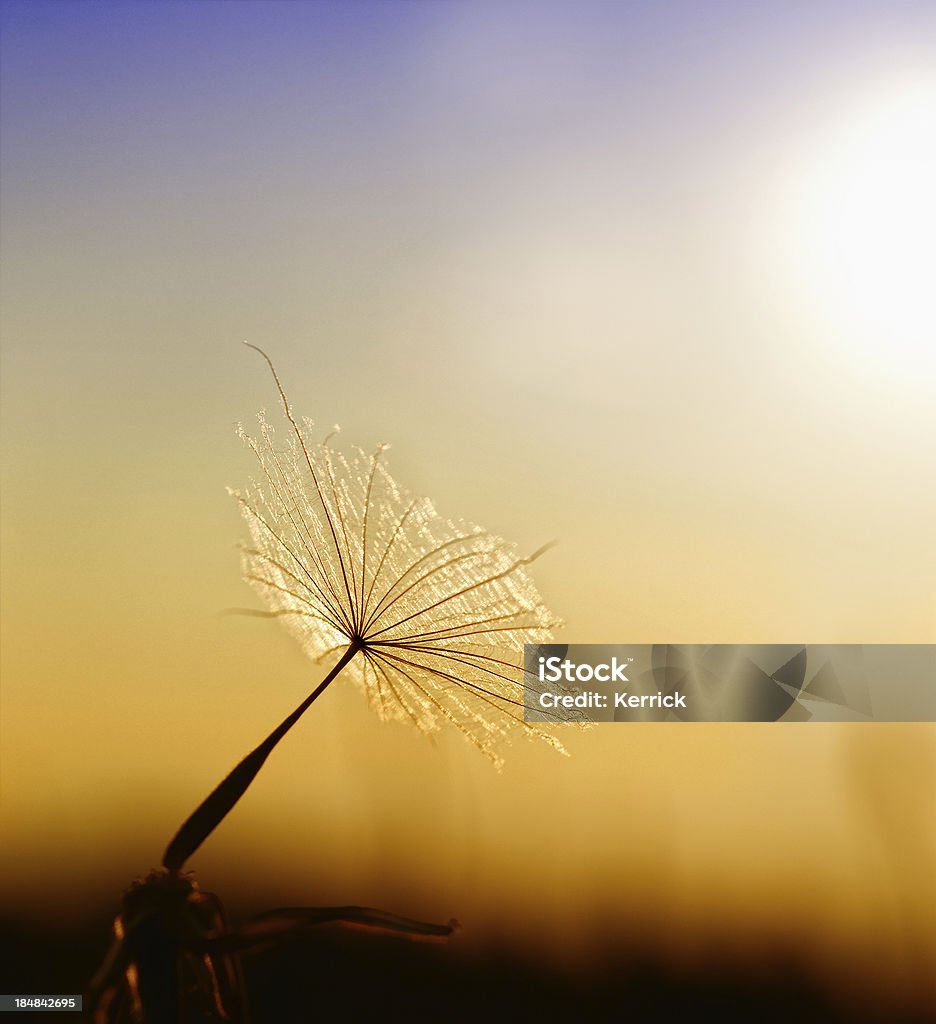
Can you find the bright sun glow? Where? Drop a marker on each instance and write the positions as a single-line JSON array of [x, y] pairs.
[[861, 226]]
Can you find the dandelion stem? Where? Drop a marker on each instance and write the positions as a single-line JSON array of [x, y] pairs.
[[215, 807]]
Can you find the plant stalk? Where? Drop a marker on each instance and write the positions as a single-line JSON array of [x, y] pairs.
[[215, 807]]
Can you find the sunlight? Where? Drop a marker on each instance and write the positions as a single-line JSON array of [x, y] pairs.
[[860, 227]]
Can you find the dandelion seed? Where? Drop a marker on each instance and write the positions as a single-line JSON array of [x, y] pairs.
[[428, 615]]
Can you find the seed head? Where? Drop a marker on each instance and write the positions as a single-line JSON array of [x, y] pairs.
[[438, 608]]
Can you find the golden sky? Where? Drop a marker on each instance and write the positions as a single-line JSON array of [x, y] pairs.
[[653, 281]]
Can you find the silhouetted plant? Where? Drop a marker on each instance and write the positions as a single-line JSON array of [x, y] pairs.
[[429, 615]]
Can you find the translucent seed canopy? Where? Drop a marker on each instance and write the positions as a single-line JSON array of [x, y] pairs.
[[439, 608]]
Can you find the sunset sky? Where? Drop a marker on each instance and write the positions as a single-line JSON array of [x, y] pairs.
[[652, 279]]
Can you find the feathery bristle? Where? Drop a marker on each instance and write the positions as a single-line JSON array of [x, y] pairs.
[[440, 609]]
